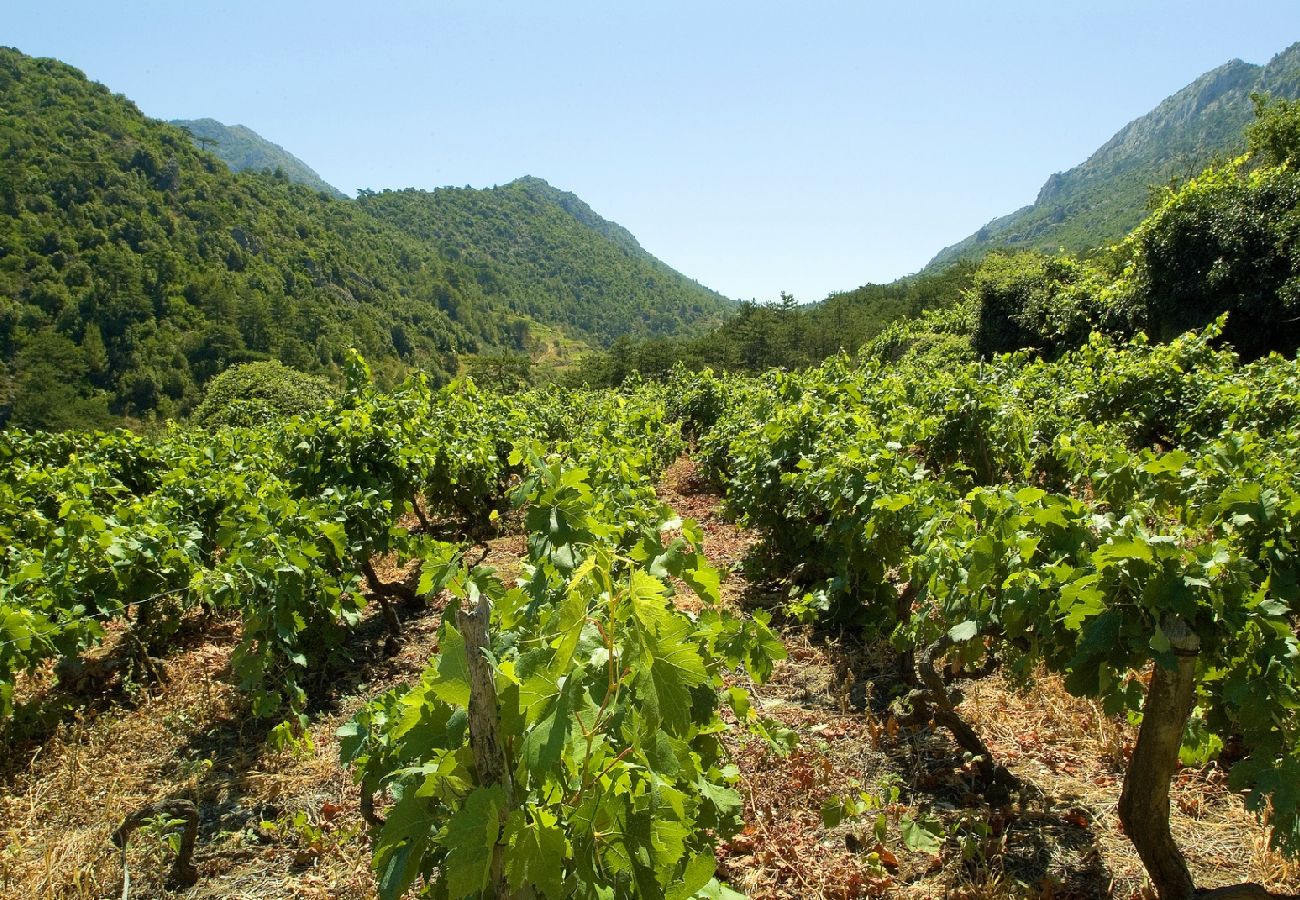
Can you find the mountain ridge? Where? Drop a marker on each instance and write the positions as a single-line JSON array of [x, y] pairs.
[[1105, 196], [243, 150], [532, 242], [134, 267]]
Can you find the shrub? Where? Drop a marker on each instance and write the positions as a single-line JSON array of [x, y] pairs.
[[261, 392]]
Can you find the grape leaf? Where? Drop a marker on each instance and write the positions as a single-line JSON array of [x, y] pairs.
[[537, 851], [469, 837]]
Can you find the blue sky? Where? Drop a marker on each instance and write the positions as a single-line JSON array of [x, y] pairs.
[[757, 147]]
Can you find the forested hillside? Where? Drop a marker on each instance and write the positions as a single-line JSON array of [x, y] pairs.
[[244, 150], [134, 266], [552, 257], [1102, 199], [782, 334]]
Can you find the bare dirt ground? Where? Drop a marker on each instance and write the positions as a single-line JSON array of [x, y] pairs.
[[1060, 838], [287, 825]]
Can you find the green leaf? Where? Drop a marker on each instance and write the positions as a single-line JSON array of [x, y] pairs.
[[965, 631], [452, 684], [437, 568], [667, 837], [1027, 496], [674, 663], [1200, 745], [704, 580], [402, 843], [1080, 600], [922, 836], [1273, 607], [1122, 549], [573, 613], [544, 743], [695, 876], [470, 836], [537, 853], [647, 594], [337, 535], [726, 801], [893, 503], [716, 890], [832, 811]]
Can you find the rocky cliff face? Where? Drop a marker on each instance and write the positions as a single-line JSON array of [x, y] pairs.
[[1104, 197]]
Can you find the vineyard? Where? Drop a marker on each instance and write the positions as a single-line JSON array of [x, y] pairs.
[[592, 707]]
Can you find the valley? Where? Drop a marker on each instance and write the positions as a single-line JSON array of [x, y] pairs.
[[448, 543]]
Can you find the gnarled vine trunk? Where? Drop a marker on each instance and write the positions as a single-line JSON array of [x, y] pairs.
[[484, 737], [934, 703], [1144, 801]]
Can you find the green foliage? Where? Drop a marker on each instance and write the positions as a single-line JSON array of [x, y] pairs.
[[553, 257], [1049, 303], [1227, 241], [503, 371], [847, 321], [607, 698], [937, 337], [162, 268], [1274, 136], [51, 385], [259, 393], [783, 335], [275, 523], [1223, 242], [1049, 511]]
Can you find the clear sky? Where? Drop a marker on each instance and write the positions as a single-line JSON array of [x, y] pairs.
[[757, 147]]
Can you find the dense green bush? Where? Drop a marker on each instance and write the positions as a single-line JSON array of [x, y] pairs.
[[1048, 303], [937, 337], [261, 392], [1227, 241], [1274, 136]]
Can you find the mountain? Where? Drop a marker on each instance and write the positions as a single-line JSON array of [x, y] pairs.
[[243, 149], [1102, 199], [135, 266], [553, 258]]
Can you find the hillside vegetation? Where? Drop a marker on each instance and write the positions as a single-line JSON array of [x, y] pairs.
[[134, 267], [1224, 243], [1221, 247], [552, 258], [759, 336]]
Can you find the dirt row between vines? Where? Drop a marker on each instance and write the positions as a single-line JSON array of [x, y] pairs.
[[1059, 838], [281, 825]]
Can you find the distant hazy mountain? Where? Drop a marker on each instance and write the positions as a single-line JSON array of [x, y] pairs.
[[243, 149], [1102, 199]]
